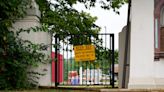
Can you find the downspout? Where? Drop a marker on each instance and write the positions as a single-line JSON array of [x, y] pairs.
[[126, 49]]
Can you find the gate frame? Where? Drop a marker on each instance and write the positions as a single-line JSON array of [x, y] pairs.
[[112, 80]]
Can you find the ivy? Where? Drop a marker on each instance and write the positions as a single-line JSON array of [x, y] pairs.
[[17, 56]]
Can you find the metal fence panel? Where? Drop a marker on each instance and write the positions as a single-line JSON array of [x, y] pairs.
[[96, 72]]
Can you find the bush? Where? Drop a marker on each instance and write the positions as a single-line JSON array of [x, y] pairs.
[[17, 57]]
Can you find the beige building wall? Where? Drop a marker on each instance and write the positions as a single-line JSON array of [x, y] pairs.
[[142, 45], [145, 73]]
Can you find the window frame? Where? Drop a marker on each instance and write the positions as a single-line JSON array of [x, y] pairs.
[[159, 8]]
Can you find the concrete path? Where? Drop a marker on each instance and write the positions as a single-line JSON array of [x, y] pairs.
[[131, 90]]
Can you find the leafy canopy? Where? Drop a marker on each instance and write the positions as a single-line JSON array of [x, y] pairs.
[[61, 18]]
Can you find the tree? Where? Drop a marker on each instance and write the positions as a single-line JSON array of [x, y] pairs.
[[104, 60], [17, 55], [104, 4], [62, 18]]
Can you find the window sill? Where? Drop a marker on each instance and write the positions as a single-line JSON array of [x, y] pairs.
[[158, 56]]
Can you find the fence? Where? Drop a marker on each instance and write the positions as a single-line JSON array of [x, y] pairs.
[[73, 69]]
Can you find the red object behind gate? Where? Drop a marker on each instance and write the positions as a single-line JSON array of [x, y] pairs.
[[59, 67]]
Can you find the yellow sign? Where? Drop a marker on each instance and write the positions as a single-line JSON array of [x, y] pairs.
[[84, 53]]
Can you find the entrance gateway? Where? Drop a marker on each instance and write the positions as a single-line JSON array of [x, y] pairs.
[[83, 60]]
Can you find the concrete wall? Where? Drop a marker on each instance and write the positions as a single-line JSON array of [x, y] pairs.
[[142, 45], [144, 71], [159, 73], [122, 37], [32, 20]]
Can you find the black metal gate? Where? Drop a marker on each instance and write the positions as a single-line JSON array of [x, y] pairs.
[[96, 72]]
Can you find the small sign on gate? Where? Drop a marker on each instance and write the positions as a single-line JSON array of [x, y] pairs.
[[84, 53]]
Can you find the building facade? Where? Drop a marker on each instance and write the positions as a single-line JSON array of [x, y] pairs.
[[144, 63]]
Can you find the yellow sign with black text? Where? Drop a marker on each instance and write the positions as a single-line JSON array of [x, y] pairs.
[[84, 53]]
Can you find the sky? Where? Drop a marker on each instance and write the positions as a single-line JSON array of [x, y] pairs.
[[107, 19]]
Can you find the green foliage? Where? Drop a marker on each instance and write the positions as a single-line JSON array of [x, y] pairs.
[[104, 4], [104, 60], [17, 56], [11, 10], [16, 61], [62, 19]]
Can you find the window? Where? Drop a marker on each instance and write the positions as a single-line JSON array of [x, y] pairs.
[[159, 29]]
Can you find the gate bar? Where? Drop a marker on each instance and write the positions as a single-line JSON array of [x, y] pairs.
[[113, 61], [56, 61]]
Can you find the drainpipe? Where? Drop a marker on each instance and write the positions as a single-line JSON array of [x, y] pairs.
[[127, 48]]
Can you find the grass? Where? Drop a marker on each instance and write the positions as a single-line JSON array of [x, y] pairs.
[[66, 88], [48, 90], [85, 86]]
